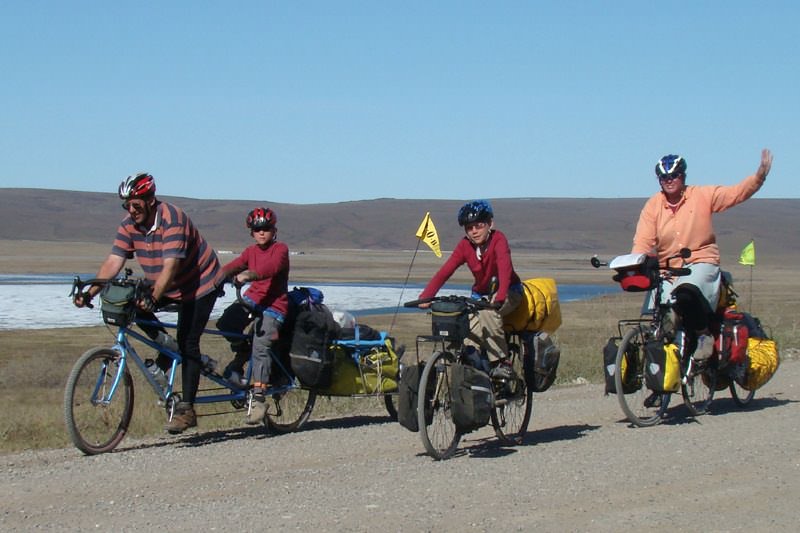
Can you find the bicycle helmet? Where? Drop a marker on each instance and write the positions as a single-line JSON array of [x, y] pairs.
[[671, 165], [261, 218], [139, 185], [475, 211]]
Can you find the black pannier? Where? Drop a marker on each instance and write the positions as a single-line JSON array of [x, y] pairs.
[[472, 398], [408, 396], [310, 354], [631, 381]]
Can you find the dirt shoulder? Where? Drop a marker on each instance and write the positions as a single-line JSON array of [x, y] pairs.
[[580, 468]]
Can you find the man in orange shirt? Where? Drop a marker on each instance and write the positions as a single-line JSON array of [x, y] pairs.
[[679, 216]]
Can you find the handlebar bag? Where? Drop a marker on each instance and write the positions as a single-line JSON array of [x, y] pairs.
[[662, 371], [310, 353], [635, 272], [630, 373], [118, 304], [450, 320], [472, 398]]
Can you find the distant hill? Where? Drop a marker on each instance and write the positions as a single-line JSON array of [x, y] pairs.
[[589, 226]]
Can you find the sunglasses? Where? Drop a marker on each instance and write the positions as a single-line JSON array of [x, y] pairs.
[[669, 177], [263, 228], [137, 206]]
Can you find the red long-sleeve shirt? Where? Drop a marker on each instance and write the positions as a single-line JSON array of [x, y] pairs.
[[271, 265], [495, 261]]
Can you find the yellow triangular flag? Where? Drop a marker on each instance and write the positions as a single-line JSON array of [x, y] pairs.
[[427, 233], [748, 255]]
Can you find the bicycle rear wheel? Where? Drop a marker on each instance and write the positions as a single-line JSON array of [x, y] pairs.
[[740, 395], [642, 406], [436, 427], [97, 422], [513, 401], [698, 389], [288, 411]]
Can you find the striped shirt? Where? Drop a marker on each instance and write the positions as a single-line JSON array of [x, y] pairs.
[[172, 236]]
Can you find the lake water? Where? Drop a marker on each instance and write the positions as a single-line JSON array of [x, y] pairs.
[[42, 301]]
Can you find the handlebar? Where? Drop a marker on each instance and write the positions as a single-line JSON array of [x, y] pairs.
[[684, 253], [472, 304], [78, 285]]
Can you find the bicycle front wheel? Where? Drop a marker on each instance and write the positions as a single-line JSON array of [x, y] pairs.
[[288, 411], [97, 418], [698, 390], [642, 406], [434, 416], [513, 401]]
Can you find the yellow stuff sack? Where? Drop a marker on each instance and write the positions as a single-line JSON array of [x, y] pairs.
[[379, 368], [762, 362], [539, 309]]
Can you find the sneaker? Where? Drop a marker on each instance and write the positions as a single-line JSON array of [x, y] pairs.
[[503, 370], [654, 400], [257, 412], [183, 419], [705, 348], [235, 376]]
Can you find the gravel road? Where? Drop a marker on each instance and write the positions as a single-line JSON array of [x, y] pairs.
[[580, 468]]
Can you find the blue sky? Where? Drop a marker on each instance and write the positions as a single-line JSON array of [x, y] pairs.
[[329, 101]]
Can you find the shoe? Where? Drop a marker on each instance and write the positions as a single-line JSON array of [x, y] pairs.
[[503, 370], [705, 348], [234, 375], [654, 400], [257, 412], [183, 419]]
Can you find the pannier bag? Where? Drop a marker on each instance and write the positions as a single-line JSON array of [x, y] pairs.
[[762, 362], [630, 373], [662, 371], [539, 309], [310, 353], [635, 272], [731, 340], [408, 396], [117, 304], [540, 369], [450, 320], [472, 398]]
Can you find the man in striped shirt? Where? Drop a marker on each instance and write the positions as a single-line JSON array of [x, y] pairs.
[[184, 270]]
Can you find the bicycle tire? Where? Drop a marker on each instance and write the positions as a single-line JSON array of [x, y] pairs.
[[741, 396], [290, 410], [436, 427], [96, 426], [642, 407], [511, 417], [391, 408], [698, 390]]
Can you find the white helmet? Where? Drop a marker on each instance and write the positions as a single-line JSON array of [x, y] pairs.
[[345, 319]]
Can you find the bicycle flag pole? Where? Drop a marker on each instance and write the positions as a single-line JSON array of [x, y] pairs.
[[748, 258], [425, 233]]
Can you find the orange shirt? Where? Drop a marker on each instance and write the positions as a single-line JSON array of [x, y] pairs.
[[666, 230]]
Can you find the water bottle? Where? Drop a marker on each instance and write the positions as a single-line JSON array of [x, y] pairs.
[[156, 372], [209, 364]]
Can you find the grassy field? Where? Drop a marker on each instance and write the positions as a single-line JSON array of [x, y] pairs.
[[34, 364]]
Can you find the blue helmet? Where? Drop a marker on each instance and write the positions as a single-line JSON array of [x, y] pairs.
[[475, 211], [671, 165]]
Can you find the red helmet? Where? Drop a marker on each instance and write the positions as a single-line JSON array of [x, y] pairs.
[[261, 218], [138, 185]]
